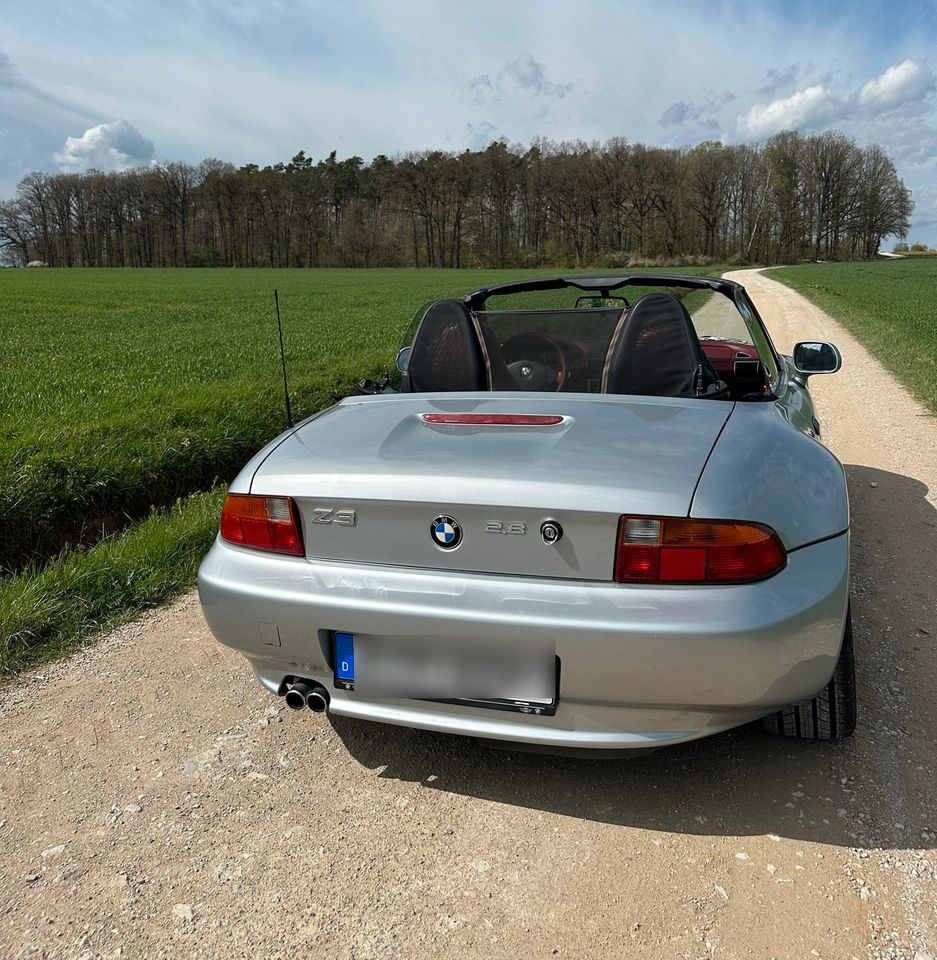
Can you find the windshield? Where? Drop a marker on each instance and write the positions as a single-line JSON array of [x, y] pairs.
[[658, 339], [559, 339], [715, 317], [560, 350]]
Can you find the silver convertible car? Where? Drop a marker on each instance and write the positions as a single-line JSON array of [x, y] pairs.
[[592, 514]]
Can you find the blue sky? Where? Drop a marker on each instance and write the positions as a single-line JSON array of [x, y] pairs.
[[109, 84]]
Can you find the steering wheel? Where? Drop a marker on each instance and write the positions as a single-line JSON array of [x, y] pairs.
[[535, 374]]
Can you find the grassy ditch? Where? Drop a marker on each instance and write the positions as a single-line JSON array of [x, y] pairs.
[[45, 613], [890, 305]]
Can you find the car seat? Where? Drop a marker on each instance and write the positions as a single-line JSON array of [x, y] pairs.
[[655, 352]]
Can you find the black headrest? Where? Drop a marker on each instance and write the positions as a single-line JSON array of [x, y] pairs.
[[445, 354], [654, 351], [455, 350]]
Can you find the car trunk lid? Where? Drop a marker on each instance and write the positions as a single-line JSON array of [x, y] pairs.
[[371, 475]]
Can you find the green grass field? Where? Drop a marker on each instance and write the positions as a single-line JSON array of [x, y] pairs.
[[890, 305], [125, 390], [128, 388]]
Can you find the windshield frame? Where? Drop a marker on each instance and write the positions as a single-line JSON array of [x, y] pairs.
[[601, 286]]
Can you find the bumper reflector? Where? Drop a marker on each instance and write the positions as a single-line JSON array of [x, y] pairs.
[[264, 523], [676, 550]]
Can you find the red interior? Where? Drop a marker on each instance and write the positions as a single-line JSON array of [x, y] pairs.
[[722, 354]]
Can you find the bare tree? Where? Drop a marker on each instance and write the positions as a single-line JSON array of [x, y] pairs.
[[570, 203]]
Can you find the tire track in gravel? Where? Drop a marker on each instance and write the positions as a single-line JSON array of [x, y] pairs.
[[156, 802]]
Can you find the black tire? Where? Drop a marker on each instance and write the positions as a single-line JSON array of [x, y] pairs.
[[831, 714]]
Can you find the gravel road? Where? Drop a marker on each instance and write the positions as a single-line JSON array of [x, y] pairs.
[[156, 802]]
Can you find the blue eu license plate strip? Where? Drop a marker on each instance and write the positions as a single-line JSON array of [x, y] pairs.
[[345, 660]]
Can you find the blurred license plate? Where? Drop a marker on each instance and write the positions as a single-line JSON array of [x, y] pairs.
[[520, 676]]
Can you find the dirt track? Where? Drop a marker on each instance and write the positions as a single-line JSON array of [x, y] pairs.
[[155, 801]]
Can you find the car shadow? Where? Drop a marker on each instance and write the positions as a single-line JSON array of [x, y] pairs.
[[863, 792]]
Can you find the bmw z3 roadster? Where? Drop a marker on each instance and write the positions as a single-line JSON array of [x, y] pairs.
[[594, 513]]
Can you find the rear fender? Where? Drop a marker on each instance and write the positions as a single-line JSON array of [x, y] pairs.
[[765, 470]]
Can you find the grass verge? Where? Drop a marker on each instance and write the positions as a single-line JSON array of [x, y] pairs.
[[890, 306], [49, 612]]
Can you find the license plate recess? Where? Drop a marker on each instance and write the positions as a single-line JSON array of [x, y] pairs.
[[345, 663]]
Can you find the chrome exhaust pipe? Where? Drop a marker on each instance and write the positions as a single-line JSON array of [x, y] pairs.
[[297, 694], [317, 699]]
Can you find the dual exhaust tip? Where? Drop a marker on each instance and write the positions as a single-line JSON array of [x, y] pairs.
[[302, 695]]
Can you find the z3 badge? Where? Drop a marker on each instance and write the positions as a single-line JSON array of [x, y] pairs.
[[344, 518]]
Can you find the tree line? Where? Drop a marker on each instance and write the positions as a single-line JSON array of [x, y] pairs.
[[794, 197]]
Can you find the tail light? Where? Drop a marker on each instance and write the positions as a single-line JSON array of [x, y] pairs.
[[265, 523], [670, 550]]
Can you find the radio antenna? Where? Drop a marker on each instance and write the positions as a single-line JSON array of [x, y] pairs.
[[286, 389]]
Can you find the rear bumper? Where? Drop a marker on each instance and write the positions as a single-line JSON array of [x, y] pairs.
[[641, 666]]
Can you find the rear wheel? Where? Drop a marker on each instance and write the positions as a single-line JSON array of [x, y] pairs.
[[831, 714]]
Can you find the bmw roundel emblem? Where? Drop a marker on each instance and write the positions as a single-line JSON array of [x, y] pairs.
[[446, 532]]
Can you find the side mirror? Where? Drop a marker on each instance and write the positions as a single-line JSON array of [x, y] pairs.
[[815, 356], [403, 358]]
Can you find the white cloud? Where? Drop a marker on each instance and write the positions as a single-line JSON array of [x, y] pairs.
[[108, 146], [907, 82], [806, 108]]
